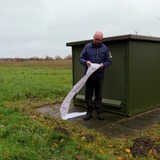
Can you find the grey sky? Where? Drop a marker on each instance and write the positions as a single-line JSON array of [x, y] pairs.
[[42, 27]]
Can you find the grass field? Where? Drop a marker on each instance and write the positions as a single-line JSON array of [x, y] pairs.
[[36, 80], [28, 135]]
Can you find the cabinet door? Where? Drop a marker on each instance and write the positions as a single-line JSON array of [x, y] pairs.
[[114, 81]]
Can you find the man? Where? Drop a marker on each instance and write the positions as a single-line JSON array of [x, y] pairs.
[[95, 52]]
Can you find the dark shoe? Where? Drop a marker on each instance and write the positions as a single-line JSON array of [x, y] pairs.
[[88, 116], [100, 117]]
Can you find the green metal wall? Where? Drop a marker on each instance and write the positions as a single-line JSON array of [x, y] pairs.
[[144, 76]]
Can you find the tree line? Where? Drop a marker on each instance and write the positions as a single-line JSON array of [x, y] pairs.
[[57, 57]]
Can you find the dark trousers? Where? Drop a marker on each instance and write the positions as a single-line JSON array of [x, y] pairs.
[[91, 86]]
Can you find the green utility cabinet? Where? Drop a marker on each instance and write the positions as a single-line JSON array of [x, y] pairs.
[[132, 82]]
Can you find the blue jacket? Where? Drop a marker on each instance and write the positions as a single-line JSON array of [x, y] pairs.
[[96, 54]]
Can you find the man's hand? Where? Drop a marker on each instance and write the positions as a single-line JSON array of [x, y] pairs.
[[102, 65], [88, 63]]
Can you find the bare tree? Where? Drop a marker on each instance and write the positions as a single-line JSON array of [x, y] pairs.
[[58, 57], [48, 58], [68, 57]]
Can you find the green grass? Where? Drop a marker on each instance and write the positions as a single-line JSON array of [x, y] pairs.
[[28, 135], [23, 138], [39, 80]]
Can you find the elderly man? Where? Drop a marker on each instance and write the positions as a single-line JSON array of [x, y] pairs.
[[95, 52]]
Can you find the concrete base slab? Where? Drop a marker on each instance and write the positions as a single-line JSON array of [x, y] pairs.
[[114, 125]]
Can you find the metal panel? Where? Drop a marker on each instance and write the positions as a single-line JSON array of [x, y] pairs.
[[144, 76], [78, 69], [114, 75]]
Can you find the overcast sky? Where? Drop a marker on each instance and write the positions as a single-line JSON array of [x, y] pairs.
[[40, 28]]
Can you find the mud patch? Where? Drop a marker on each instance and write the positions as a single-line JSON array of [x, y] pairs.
[[62, 130], [88, 137], [144, 147]]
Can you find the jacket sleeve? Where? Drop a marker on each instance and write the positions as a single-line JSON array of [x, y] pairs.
[[83, 56]]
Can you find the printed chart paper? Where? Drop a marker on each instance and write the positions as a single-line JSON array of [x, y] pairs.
[[66, 103]]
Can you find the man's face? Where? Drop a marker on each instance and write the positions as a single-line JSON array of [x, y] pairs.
[[97, 39]]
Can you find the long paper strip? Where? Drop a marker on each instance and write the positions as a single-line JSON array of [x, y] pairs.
[[66, 103], [73, 115]]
